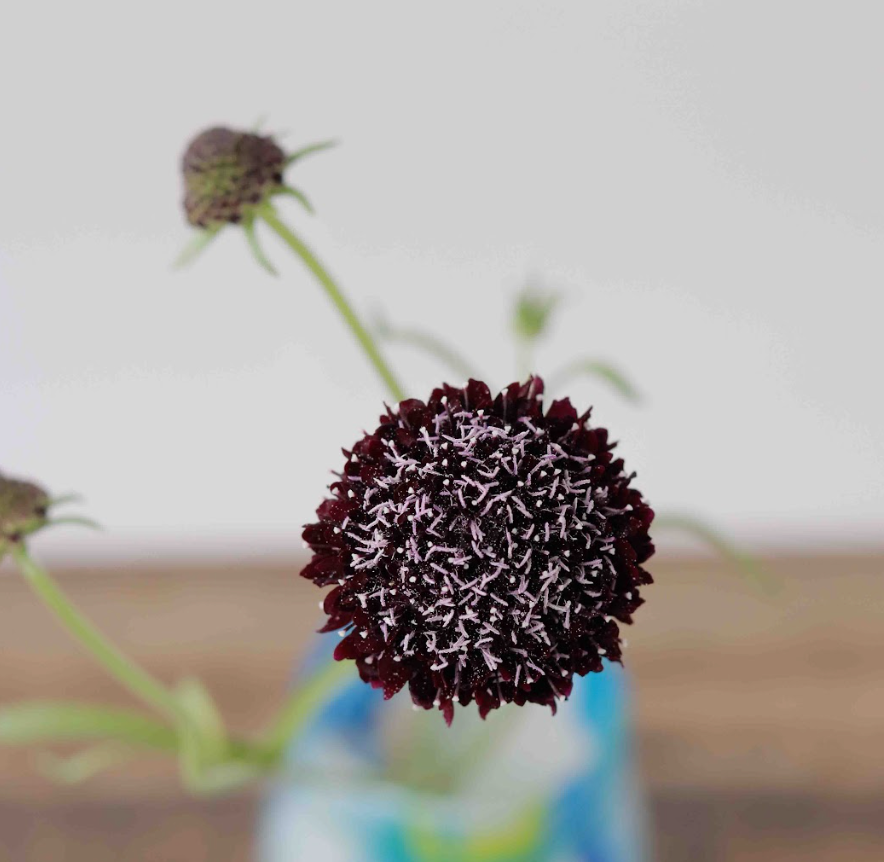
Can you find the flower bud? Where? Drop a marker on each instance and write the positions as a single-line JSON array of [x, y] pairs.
[[23, 510], [533, 311], [227, 174]]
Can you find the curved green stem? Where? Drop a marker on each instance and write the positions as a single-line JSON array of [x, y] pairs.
[[702, 530], [211, 760], [363, 336], [525, 357], [137, 680], [304, 702]]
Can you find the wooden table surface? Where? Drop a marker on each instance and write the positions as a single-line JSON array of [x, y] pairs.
[[760, 721]]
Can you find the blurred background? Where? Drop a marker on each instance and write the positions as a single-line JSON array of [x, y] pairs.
[[701, 181]]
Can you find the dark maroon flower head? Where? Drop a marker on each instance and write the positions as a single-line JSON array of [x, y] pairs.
[[481, 549]]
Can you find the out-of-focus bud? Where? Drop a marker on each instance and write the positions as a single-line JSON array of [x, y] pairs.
[[533, 310], [24, 507], [230, 177], [228, 173]]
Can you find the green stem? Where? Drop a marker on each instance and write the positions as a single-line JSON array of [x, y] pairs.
[[138, 681], [304, 702], [337, 297], [524, 357]]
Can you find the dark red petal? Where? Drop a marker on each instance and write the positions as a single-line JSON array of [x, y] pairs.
[[347, 648], [323, 570], [562, 411], [478, 395], [392, 674]]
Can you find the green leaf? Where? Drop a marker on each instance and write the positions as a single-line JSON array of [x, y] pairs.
[[704, 531], [196, 246], [203, 737], [308, 151], [84, 765], [257, 251], [39, 721], [595, 368], [202, 713], [298, 195], [64, 499], [76, 520]]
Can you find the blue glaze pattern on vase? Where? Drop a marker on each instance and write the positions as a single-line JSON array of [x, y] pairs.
[[544, 788]]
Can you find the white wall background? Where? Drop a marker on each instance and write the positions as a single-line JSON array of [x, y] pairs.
[[703, 179]]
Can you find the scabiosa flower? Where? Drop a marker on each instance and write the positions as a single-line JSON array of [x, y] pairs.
[[481, 549]]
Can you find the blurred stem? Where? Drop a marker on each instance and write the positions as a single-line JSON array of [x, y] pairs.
[[304, 703], [363, 336], [129, 674], [431, 344], [496, 733], [232, 761], [524, 357], [427, 766], [708, 534]]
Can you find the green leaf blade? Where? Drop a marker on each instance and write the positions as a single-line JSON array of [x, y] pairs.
[[299, 196], [429, 344], [197, 245], [309, 150], [83, 765], [46, 721], [255, 246], [602, 370]]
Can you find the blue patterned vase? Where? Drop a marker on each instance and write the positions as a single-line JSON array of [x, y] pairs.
[[373, 781]]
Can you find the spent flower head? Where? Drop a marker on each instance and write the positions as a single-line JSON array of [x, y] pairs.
[[227, 174], [230, 178], [24, 508], [481, 549]]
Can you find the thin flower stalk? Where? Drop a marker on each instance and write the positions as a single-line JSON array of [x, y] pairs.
[[336, 295], [127, 672]]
